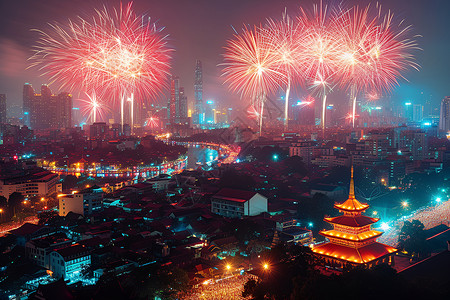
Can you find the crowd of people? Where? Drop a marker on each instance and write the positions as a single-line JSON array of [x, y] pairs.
[[222, 289], [5, 228], [430, 217]]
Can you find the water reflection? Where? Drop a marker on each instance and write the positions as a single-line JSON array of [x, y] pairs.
[[198, 155]]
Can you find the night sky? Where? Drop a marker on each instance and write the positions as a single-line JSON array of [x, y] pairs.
[[199, 29]]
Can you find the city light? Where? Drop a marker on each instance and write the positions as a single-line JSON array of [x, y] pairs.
[[385, 226], [438, 200]]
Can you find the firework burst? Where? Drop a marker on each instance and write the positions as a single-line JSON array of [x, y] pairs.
[[284, 37], [92, 109], [376, 51], [321, 46], [115, 53], [152, 122], [252, 68]]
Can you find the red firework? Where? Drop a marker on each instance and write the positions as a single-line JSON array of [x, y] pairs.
[[92, 109], [113, 53], [320, 44], [152, 122], [252, 113], [252, 67], [375, 51]]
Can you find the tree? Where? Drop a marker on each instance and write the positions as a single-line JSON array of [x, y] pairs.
[[14, 201], [232, 179], [412, 238], [295, 164]]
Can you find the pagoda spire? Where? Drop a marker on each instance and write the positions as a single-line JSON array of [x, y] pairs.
[[352, 186], [352, 204]]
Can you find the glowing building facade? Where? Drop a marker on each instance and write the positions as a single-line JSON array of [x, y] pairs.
[[199, 115], [352, 239]]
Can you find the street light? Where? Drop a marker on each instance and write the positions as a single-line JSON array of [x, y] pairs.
[[405, 204], [266, 266], [438, 200]]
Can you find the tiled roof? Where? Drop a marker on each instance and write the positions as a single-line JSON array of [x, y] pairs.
[[234, 195], [26, 229]]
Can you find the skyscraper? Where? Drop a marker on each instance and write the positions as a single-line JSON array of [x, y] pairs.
[[45, 110], [183, 106], [28, 94], [417, 112], [174, 100], [444, 120], [198, 116], [3, 108], [177, 105]]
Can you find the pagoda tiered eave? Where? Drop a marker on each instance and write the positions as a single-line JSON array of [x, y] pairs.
[[352, 205], [352, 221], [370, 234], [361, 255]]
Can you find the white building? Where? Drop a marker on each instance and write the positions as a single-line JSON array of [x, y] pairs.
[[71, 203], [38, 184], [237, 203], [68, 262], [160, 183], [84, 202]]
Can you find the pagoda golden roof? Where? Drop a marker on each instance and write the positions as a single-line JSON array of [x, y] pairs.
[[360, 256]]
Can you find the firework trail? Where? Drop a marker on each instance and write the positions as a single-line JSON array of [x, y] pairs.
[[115, 53], [285, 38], [321, 47]]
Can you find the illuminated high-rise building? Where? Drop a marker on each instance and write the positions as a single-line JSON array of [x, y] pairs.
[[444, 120], [3, 109], [177, 106], [28, 95], [417, 113], [174, 100], [183, 113], [210, 110], [199, 114], [45, 110]]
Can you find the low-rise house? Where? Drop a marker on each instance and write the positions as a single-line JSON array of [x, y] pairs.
[[237, 203], [70, 261]]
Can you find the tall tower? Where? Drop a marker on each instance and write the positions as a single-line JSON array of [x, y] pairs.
[[352, 240], [183, 106], [28, 95], [174, 102], [3, 109], [444, 120], [198, 116]]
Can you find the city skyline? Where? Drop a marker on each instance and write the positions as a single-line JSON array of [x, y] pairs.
[[206, 44]]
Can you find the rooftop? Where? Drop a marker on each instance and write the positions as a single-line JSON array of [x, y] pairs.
[[234, 195], [352, 221], [26, 229]]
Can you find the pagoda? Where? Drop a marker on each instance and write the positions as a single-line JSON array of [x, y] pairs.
[[352, 239]]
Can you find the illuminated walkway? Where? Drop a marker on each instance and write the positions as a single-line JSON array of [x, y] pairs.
[[430, 217]]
